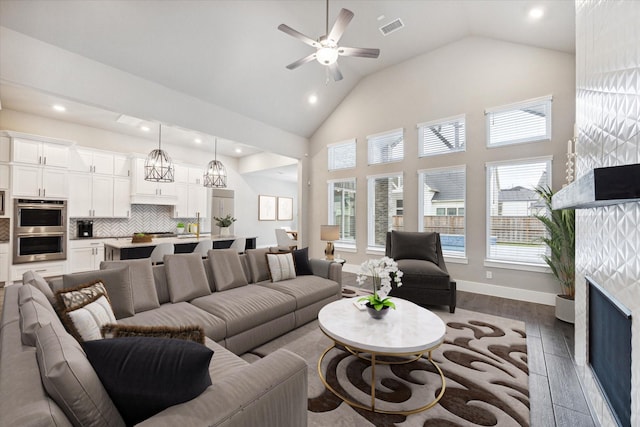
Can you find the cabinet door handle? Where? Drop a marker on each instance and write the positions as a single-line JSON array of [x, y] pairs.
[[44, 192], [45, 160], [39, 160]]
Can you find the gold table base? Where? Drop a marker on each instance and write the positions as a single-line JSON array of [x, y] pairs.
[[372, 359]]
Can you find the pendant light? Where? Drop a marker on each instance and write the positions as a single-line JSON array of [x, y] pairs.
[[215, 176], [158, 166]]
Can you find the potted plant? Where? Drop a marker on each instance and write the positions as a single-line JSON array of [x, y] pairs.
[[560, 238], [180, 228], [383, 271], [224, 223]]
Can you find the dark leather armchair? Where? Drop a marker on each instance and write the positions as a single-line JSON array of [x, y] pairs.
[[425, 279]]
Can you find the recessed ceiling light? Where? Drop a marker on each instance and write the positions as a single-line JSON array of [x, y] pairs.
[[536, 13], [59, 108], [197, 141], [238, 150], [145, 128], [313, 99]]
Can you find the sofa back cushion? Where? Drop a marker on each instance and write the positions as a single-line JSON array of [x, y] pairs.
[[258, 264], [143, 287], [35, 312], [71, 381], [226, 269], [414, 245], [162, 287], [34, 279], [186, 277], [117, 282]]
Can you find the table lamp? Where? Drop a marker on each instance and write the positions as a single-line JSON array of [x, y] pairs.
[[329, 233]]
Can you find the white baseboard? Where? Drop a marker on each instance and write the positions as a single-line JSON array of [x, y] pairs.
[[489, 289]]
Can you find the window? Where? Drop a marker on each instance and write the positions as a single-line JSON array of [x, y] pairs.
[[384, 192], [386, 147], [513, 233], [441, 195], [441, 136], [342, 155], [342, 208], [522, 122]]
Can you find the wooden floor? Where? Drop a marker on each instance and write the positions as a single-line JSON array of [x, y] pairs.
[[555, 392]]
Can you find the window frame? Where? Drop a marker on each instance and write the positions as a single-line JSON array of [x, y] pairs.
[[447, 120], [374, 137], [371, 246], [345, 143], [548, 99], [540, 266], [461, 258], [341, 243]]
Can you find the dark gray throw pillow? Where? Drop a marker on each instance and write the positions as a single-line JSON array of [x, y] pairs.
[[414, 245], [301, 261], [145, 375]]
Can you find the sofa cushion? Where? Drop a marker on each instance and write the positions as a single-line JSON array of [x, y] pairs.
[[226, 269], [258, 264], [117, 283], [34, 279], [35, 312], [190, 333], [162, 287], [305, 289], [85, 321], [281, 267], [186, 277], [145, 375], [420, 273], [71, 382], [143, 287], [180, 314], [247, 307], [414, 245], [301, 260]]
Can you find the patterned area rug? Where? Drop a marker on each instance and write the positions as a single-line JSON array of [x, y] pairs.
[[484, 361]]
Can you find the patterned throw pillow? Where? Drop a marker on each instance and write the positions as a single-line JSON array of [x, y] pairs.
[[281, 267], [190, 333], [81, 295], [84, 322]]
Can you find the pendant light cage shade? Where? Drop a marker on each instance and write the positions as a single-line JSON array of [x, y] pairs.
[[158, 166], [215, 175]]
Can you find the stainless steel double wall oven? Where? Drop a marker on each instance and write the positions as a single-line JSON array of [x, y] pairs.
[[40, 230]]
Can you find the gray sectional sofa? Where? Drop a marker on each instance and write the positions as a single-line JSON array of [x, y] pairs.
[[236, 315]]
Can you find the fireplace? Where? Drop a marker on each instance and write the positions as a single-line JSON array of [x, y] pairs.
[[609, 351]]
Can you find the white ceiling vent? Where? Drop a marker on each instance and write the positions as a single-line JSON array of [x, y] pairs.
[[392, 27]]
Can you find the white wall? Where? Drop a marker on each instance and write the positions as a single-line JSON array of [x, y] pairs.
[[464, 77]]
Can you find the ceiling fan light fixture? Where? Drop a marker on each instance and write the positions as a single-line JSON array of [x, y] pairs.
[[327, 55]]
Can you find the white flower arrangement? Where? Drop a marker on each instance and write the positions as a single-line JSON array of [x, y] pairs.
[[384, 271]]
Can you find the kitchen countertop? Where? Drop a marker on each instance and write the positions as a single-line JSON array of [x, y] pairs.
[[125, 242]]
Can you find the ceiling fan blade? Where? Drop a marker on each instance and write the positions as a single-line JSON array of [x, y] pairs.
[[293, 33], [340, 25], [301, 61], [335, 72], [361, 52]]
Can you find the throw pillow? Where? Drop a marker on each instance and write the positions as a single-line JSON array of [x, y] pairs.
[[143, 287], [85, 322], [190, 333], [146, 375], [281, 267], [301, 261], [117, 283], [226, 269], [414, 245], [71, 298], [258, 264], [71, 382], [186, 277]]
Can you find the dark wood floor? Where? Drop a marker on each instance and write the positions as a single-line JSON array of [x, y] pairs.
[[555, 392]]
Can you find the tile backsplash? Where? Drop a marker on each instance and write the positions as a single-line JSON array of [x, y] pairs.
[[144, 218], [5, 228]]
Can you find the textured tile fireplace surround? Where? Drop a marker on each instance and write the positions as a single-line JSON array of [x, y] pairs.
[[608, 117]]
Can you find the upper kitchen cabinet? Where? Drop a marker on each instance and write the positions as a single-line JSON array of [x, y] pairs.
[[42, 153], [92, 161], [121, 165], [150, 192]]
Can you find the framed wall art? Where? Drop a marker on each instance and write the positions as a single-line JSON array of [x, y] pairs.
[[266, 208], [285, 208]]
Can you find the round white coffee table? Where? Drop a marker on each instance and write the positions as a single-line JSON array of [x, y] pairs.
[[405, 333]]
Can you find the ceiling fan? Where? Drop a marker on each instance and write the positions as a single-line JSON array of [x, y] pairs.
[[327, 49]]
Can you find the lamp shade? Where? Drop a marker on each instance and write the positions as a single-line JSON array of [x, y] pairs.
[[329, 233]]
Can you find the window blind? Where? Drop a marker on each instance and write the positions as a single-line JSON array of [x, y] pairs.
[[342, 155], [442, 136], [523, 122], [386, 147]]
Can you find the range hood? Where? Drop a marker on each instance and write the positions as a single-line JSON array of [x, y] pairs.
[[601, 187]]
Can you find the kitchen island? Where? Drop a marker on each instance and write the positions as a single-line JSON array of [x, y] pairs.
[[122, 247]]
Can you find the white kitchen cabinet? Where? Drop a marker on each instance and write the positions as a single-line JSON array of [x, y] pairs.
[[150, 192], [92, 161], [196, 176], [4, 262], [121, 165], [38, 181], [121, 197], [90, 195], [4, 177], [191, 194], [34, 152], [85, 255], [44, 269]]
